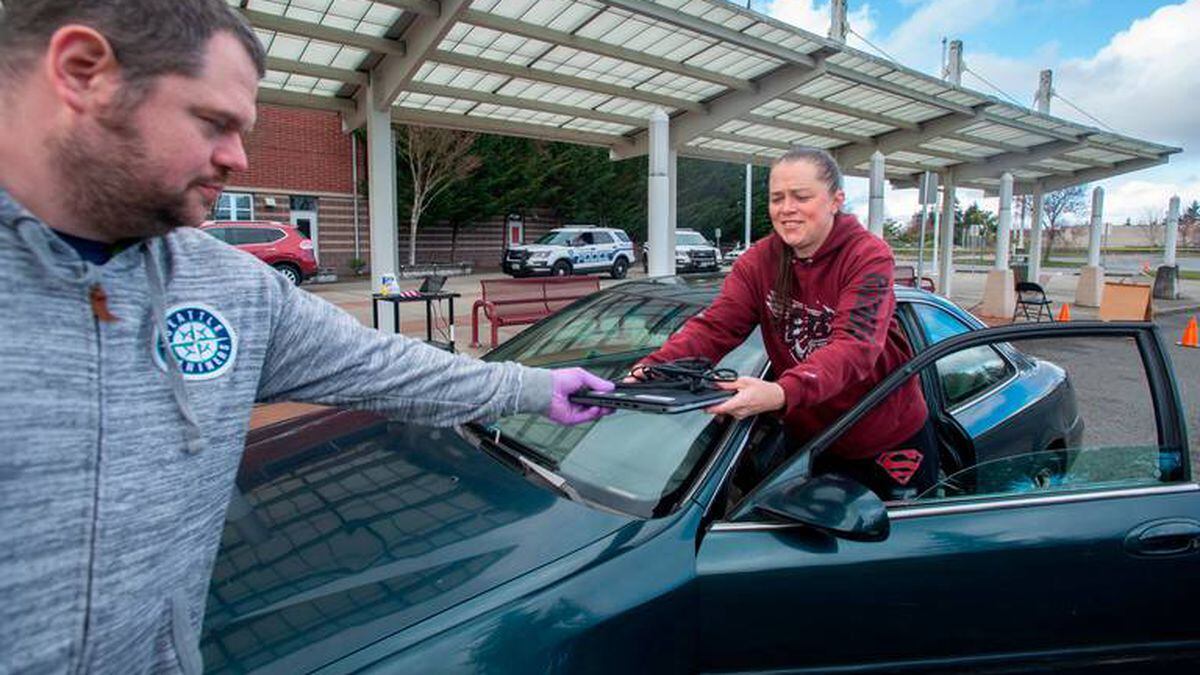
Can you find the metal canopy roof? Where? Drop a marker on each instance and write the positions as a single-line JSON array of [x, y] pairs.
[[738, 86]]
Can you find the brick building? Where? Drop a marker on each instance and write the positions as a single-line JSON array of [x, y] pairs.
[[301, 172]]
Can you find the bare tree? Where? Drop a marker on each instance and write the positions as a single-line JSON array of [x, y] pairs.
[[437, 158], [1059, 203], [1153, 232]]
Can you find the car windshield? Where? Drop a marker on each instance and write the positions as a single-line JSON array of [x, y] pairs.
[[634, 462], [557, 238], [690, 239]]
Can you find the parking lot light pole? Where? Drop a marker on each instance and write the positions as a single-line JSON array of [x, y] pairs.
[[749, 204], [659, 239]]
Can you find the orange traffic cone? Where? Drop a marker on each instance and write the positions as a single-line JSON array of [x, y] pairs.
[[1064, 314], [1191, 336]]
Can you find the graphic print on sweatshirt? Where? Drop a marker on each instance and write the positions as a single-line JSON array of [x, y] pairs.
[[808, 328], [202, 341]]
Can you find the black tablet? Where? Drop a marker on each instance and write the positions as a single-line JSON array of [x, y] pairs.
[[662, 400]]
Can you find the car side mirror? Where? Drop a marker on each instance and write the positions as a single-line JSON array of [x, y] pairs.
[[829, 502]]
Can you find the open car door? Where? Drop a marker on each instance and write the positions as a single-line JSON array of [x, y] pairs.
[[1074, 547]]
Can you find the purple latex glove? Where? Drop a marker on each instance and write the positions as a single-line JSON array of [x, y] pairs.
[[567, 381]]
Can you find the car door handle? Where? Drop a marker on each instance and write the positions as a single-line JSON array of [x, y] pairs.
[[1169, 537]]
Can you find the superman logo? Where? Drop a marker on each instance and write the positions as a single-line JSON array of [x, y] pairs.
[[900, 464]]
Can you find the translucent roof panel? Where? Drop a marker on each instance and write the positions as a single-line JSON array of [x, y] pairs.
[[492, 44], [731, 146], [303, 84], [433, 103], [318, 52], [357, 16], [599, 127], [519, 115], [621, 27], [550, 93]]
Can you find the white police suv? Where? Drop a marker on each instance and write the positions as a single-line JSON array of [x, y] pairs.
[[693, 253], [573, 249]]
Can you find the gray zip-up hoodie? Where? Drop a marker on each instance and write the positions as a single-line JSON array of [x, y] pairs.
[[118, 450]]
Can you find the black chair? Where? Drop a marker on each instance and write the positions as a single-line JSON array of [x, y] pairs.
[[1033, 295]]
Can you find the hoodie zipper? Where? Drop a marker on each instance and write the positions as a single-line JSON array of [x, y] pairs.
[[85, 647]]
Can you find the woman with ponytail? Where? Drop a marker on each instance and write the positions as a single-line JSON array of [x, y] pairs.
[[821, 288]]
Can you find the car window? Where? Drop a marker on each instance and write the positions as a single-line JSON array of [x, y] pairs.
[[221, 233], [638, 460], [621, 236], [601, 238], [556, 238], [1081, 417], [261, 235], [690, 239], [965, 374]]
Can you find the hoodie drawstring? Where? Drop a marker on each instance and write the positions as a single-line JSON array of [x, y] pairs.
[[195, 441]]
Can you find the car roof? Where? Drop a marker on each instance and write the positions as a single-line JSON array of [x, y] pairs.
[[244, 223], [702, 289]]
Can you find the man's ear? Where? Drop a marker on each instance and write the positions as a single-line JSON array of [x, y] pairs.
[[82, 68]]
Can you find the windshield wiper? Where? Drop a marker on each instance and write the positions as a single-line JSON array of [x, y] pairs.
[[516, 451]]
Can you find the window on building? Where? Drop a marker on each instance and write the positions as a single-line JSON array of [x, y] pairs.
[[234, 206], [302, 203]]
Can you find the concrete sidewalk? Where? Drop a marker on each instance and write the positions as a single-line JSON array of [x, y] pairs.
[[967, 291]]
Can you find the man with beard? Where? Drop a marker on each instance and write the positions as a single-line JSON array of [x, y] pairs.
[[133, 346]]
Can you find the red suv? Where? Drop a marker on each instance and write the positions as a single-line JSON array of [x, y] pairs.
[[278, 244]]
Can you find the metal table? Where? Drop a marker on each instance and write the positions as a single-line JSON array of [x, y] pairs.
[[428, 299]]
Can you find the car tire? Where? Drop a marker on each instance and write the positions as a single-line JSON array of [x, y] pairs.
[[620, 267], [561, 268], [290, 271]]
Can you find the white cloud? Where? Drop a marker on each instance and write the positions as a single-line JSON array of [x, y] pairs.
[[1143, 82], [814, 17]]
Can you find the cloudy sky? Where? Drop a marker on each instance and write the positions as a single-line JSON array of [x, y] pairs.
[[1133, 64]]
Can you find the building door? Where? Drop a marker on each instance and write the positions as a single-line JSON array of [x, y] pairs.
[[304, 218]]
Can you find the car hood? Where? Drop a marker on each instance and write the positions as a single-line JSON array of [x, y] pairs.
[[536, 248], [683, 248], [347, 528]]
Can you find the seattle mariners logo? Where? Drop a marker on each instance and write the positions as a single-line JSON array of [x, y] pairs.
[[201, 340]]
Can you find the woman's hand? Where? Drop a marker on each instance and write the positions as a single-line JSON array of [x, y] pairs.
[[753, 396]]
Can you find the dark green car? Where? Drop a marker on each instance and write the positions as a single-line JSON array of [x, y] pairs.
[[1064, 534]]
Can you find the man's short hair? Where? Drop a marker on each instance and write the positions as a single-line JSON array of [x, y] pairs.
[[150, 38]]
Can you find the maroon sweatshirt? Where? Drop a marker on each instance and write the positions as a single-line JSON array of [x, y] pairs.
[[842, 336]]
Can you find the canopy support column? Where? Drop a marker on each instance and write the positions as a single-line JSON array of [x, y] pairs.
[[1166, 280], [946, 261], [999, 294], [660, 234], [381, 176], [875, 210], [1035, 235], [1091, 277]]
